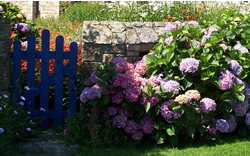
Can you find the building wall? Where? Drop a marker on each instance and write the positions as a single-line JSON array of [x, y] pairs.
[[44, 9]]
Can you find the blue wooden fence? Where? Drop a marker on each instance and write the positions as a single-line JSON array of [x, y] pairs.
[[58, 114]]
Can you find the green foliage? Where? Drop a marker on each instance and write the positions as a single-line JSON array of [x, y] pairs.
[[14, 123]]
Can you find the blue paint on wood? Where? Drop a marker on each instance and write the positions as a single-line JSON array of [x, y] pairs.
[[44, 96], [58, 82], [72, 79], [58, 114], [16, 74], [30, 81]]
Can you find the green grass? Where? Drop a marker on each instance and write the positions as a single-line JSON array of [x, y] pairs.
[[230, 145]]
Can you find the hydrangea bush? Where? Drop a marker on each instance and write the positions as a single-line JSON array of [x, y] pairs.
[[194, 84]]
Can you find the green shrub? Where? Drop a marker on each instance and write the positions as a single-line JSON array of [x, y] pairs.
[[16, 125], [194, 85]]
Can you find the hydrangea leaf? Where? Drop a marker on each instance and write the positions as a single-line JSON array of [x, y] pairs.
[[147, 106], [173, 140], [191, 130]]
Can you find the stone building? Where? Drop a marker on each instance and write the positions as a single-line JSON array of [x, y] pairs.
[[34, 9]]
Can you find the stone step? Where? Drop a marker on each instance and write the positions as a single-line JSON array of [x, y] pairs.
[[47, 144]]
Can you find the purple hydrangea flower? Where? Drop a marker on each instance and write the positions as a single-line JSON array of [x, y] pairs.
[[1, 8], [212, 131], [93, 77], [241, 48], [118, 60], [235, 67], [207, 34], [117, 98], [1, 130], [222, 126], [247, 120], [137, 135], [170, 27], [240, 108], [112, 111], [207, 105], [232, 123], [131, 127], [119, 121], [171, 86], [89, 94], [226, 80], [165, 112], [193, 22], [22, 27], [189, 65]]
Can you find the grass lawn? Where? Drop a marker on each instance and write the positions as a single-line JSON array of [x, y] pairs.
[[228, 146]]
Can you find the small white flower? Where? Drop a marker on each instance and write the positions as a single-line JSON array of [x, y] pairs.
[[28, 112], [42, 109], [28, 129], [1, 108], [21, 104], [27, 88], [1, 130], [15, 112], [22, 98], [144, 14], [5, 96]]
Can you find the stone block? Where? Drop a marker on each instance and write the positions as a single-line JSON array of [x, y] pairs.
[[159, 30], [117, 27], [104, 23], [88, 67], [133, 53], [140, 47], [132, 59], [5, 72], [118, 38], [113, 49], [107, 57], [147, 35], [133, 47], [132, 37], [91, 52], [5, 47], [96, 34], [137, 24], [128, 25], [159, 24], [5, 31], [148, 24]]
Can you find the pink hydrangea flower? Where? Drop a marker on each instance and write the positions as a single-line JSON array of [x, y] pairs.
[[189, 65], [207, 105]]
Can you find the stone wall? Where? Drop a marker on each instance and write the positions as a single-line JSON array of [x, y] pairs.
[[102, 41], [5, 31], [33, 9]]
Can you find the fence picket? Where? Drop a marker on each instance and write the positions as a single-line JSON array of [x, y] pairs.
[[58, 82], [30, 81], [44, 96], [72, 79], [16, 74]]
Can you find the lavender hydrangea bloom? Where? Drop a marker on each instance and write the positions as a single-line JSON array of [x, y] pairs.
[[112, 111], [247, 120], [222, 126], [212, 131], [207, 105], [147, 125], [170, 27], [94, 78], [171, 86], [169, 39], [22, 27], [235, 67], [232, 123], [137, 135], [241, 48], [118, 60], [131, 127], [119, 121], [207, 34], [189, 65], [89, 94], [240, 108], [168, 114], [226, 80]]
